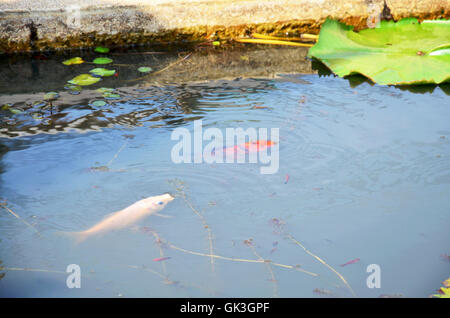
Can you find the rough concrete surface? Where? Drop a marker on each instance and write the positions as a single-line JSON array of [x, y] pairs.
[[27, 25]]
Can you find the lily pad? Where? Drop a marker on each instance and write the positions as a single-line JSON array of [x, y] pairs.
[[72, 61], [84, 80], [102, 72], [6, 106], [98, 103], [111, 95], [15, 111], [74, 88], [144, 69], [51, 96], [102, 60], [394, 53], [37, 116], [104, 90], [101, 49]]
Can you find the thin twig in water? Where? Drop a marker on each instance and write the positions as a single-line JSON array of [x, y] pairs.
[[30, 270], [180, 190], [149, 270], [138, 53], [161, 252], [117, 153], [168, 281], [321, 261], [17, 216], [303, 37], [269, 267], [259, 261], [163, 69], [276, 42]]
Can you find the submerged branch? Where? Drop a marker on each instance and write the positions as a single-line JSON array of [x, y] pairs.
[[269, 268], [259, 261], [18, 217], [321, 261]]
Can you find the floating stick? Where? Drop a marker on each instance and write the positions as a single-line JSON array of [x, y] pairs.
[[117, 153], [24, 269], [17, 216], [149, 270], [322, 261], [161, 252], [163, 69], [276, 42], [259, 261], [180, 190], [303, 37], [269, 267]]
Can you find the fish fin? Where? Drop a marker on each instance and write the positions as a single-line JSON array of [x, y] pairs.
[[76, 237], [163, 215]]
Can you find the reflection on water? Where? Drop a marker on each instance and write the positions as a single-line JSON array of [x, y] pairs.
[[364, 174]]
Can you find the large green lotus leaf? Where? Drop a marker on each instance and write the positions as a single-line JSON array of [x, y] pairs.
[[394, 53]]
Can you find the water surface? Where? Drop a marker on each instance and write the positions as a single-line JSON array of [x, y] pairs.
[[364, 173]]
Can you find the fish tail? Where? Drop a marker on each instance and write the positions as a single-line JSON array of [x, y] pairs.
[[76, 237]]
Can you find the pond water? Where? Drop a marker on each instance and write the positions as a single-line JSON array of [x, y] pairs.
[[363, 177]]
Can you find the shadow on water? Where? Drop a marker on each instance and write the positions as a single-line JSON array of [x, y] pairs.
[[358, 79]]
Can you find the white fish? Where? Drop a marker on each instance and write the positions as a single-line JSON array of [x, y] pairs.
[[126, 217]]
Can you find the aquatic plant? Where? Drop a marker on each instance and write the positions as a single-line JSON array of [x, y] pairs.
[[102, 72], [72, 61], [101, 49], [393, 53], [98, 103], [102, 60], [144, 69], [51, 96], [444, 292], [84, 80]]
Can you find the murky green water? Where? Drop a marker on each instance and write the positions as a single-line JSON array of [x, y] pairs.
[[364, 174]]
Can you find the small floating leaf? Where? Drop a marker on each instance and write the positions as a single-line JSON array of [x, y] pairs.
[[102, 72], [216, 43], [36, 116], [6, 106], [73, 61], [104, 90], [75, 88], [99, 168], [144, 69], [111, 95], [84, 80], [98, 103], [39, 104], [101, 49], [15, 111], [51, 96], [102, 60]]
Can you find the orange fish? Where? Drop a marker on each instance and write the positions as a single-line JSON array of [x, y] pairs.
[[248, 147]]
